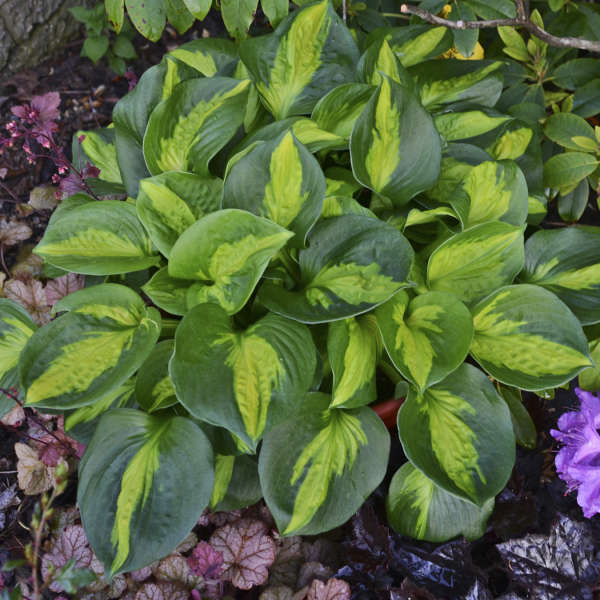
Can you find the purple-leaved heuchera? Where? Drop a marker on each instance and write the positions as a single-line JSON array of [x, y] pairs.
[[578, 461]]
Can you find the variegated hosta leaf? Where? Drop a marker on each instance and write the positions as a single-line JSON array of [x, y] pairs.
[[171, 202], [309, 53], [418, 508], [492, 191], [427, 337], [98, 146], [168, 293], [132, 112], [81, 423], [452, 172], [241, 380], [478, 261], [458, 83], [526, 337], [352, 264], [353, 348], [338, 110], [131, 471], [153, 386], [316, 469], [81, 356], [470, 123], [208, 56], [567, 262], [413, 44], [188, 128], [98, 238], [236, 482], [227, 251], [280, 180], [16, 327], [459, 434], [379, 59], [394, 147], [306, 131], [336, 206]]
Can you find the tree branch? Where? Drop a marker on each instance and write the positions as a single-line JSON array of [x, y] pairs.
[[521, 21]]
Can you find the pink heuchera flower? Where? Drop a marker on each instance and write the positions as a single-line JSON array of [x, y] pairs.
[[578, 461]]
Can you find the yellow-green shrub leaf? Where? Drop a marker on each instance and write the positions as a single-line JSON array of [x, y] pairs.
[[567, 262], [281, 181], [79, 357], [171, 202], [352, 264], [133, 468], [309, 53], [527, 338], [188, 128], [245, 380], [315, 470], [459, 434], [564, 171], [395, 148], [353, 348], [427, 337], [562, 128], [226, 252], [418, 508], [474, 263], [98, 238]]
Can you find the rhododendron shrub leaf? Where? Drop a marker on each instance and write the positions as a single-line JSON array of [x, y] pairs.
[[133, 468]]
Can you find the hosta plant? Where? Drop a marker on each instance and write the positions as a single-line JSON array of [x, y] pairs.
[[282, 226]]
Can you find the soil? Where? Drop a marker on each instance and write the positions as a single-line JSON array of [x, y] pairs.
[[378, 564]]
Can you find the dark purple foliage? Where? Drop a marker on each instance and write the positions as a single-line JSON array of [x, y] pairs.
[[206, 561]]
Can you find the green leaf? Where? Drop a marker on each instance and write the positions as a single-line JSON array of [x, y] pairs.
[[98, 146], [575, 73], [426, 338], [309, 53], [236, 483], [527, 338], [227, 251], [464, 39], [281, 181], [95, 47], [188, 128], [98, 238], [515, 45], [418, 508], [589, 379], [81, 356], [243, 380], [353, 349], [338, 110], [70, 579], [454, 126], [16, 327], [208, 56], [131, 471], [171, 202], [523, 426], [168, 293], [492, 191], [565, 171], [394, 147], [123, 47], [315, 470], [199, 8], [476, 262], [275, 10], [458, 82], [178, 15], [147, 16], [567, 262], [153, 386], [115, 11], [237, 16], [566, 129], [378, 60], [499, 9], [352, 264], [459, 434]]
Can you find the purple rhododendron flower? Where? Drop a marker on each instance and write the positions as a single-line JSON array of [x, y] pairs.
[[578, 461]]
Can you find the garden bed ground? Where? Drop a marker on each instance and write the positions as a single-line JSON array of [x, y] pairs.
[[554, 552]]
